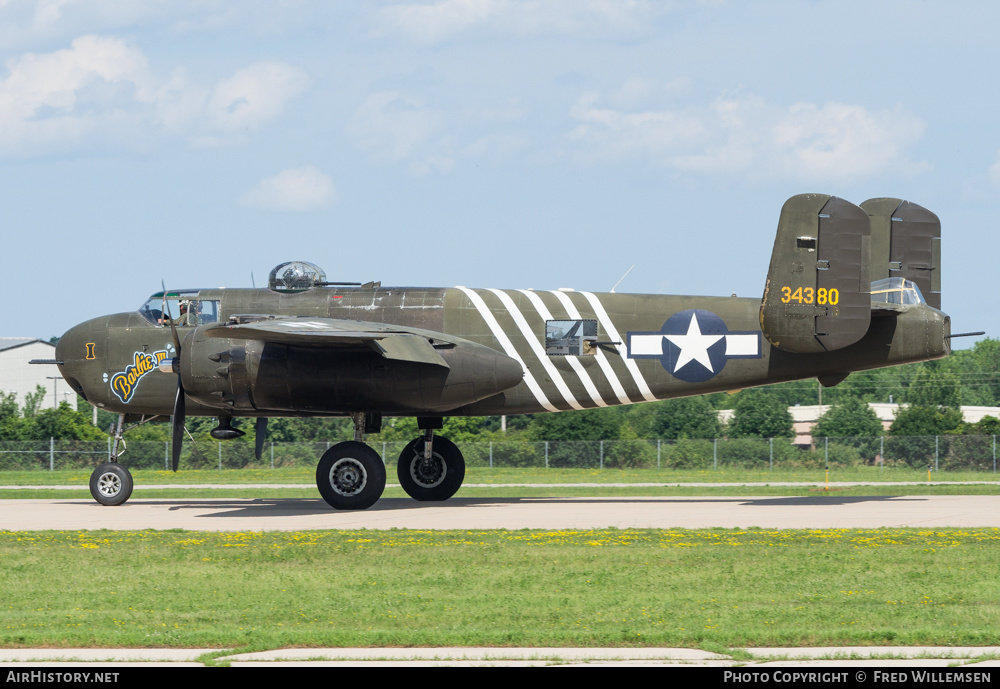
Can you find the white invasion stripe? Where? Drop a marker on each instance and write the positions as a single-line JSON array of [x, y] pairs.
[[573, 361], [742, 345], [508, 346], [602, 359], [612, 332], [537, 348], [647, 345]]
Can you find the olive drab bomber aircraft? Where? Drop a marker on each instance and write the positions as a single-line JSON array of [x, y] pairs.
[[849, 288]]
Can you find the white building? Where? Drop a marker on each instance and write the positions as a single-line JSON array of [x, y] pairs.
[[805, 417], [17, 375]]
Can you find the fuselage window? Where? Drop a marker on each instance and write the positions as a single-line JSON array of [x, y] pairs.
[[896, 291], [570, 338]]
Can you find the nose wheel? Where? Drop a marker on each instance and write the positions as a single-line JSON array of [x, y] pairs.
[[111, 484]]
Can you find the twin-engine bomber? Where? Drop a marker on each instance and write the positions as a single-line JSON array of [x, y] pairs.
[[849, 288]]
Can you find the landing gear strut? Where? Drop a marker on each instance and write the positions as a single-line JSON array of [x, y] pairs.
[[111, 484]]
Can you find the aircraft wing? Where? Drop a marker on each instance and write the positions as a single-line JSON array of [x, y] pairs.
[[392, 342]]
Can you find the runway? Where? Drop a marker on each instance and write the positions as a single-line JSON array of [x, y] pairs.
[[293, 514]]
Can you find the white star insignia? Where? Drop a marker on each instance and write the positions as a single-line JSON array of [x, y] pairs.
[[694, 346]]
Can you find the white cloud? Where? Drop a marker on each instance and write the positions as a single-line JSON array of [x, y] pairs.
[[254, 95], [394, 127], [101, 92], [53, 98], [994, 173], [832, 141], [297, 189]]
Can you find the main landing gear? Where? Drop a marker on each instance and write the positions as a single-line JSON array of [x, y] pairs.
[[351, 475]]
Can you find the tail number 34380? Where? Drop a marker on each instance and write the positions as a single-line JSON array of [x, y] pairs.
[[807, 295]]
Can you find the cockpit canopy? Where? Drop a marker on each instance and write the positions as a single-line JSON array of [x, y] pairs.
[[896, 291], [182, 307]]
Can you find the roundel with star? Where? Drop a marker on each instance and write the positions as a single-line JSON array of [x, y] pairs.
[[694, 345]]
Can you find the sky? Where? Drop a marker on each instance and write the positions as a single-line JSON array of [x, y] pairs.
[[484, 143]]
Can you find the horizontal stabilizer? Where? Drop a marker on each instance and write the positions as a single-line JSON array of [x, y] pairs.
[[818, 292], [906, 243]]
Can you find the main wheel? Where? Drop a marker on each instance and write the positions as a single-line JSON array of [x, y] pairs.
[[437, 478], [111, 484], [350, 476]]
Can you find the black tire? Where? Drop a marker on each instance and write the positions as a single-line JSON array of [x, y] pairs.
[[350, 476], [436, 479], [111, 484]]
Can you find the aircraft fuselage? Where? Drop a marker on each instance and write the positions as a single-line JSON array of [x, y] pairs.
[[508, 353]]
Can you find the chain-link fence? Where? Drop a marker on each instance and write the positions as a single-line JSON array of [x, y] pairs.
[[940, 453]]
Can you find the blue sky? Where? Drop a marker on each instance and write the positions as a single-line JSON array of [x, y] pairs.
[[488, 143]]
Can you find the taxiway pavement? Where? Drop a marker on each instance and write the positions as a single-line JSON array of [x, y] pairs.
[[292, 514]]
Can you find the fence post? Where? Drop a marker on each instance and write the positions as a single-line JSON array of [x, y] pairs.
[[272, 454], [826, 452], [166, 455], [770, 461], [658, 453], [936, 452], [546, 454], [220, 456], [881, 451], [52, 454], [602, 455], [994, 454], [491, 454], [715, 454]]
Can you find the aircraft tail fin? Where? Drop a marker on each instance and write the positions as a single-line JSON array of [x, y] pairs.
[[818, 292], [906, 243]]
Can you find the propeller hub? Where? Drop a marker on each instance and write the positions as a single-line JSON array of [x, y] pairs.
[[171, 365]]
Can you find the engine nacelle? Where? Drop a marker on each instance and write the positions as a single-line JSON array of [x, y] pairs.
[[253, 375]]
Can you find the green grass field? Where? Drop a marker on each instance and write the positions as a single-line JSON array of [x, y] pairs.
[[713, 589], [710, 589]]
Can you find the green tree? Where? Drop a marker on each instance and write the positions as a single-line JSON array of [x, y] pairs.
[[850, 417], [684, 417], [10, 417], [852, 423], [915, 420], [933, 387], [589, 424], [918, 436], [33, 402], [63, 423], [760, 414]]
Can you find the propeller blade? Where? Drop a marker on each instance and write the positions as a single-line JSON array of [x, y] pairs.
[[260, 435], [178, 418], [178, 425]]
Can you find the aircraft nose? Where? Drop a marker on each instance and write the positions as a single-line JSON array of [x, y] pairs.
[[81, 353]]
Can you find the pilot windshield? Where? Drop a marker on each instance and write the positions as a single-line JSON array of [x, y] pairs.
[[183, 308]]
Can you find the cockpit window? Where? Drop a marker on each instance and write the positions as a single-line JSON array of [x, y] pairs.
[[896, 291], [181, 307]]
